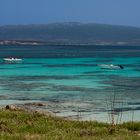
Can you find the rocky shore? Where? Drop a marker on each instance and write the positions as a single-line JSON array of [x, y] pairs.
[[29, 107], [67, 110]]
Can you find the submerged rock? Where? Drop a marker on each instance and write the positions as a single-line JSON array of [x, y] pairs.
[[36, 104]]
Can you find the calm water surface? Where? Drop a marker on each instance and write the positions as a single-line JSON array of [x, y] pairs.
[[69, 80]]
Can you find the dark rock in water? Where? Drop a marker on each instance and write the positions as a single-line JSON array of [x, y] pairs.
[[23, 98], [36, 104], [69, 65], [135, 103], [3, 97]]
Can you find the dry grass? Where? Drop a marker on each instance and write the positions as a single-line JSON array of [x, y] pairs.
[[21, 125]]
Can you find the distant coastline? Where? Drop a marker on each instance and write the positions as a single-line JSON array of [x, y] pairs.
[[42, 43], [69, 34]]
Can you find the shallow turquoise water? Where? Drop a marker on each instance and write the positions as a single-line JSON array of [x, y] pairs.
[[72, 83]]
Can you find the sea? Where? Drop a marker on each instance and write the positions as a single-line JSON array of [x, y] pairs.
[[69, 80]]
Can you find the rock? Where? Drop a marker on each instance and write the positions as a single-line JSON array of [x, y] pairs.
[[39, 104], [30, 110], [10, 107], [36, 104], [2, 97], [13, 108], [41, 112]]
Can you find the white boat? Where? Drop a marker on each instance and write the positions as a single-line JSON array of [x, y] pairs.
[[110, 66], [12, 59]]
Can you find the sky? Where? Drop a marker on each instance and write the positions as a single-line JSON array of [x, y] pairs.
[[116, 12]]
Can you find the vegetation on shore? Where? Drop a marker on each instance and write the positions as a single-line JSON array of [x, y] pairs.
[[22, 125]]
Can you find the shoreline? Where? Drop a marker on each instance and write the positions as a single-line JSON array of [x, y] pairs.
[[40, 108]]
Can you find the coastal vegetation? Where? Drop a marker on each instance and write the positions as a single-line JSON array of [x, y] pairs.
[[23, 125]]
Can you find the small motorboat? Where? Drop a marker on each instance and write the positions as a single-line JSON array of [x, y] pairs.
[[12, 59], [110, 66]]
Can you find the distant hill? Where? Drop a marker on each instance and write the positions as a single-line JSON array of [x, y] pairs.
[[73, 33]]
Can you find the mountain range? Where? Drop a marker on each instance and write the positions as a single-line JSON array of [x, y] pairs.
[[72, 33]]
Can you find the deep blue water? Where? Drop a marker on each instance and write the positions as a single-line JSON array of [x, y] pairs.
[[69, 51], [69, 78]]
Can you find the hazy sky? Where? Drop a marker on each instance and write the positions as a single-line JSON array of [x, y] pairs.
[[122, 12]]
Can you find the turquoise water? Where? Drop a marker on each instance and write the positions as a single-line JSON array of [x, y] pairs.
[[69, 84]]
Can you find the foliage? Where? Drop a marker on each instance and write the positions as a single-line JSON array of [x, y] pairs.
[[21, 125]]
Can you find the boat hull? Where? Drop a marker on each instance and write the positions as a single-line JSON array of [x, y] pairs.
[[111, 66], [12, 60], [8, 59]]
